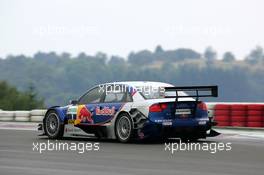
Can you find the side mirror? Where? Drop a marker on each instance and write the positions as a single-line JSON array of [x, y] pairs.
[[73, 102]]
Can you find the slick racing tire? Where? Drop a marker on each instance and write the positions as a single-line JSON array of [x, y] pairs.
[[53, 127], [124, 128]]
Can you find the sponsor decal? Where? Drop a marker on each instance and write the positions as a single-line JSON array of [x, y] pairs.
[[72, 110], [202, 122], [71, 121], [182, 111], [105, 111], [71, 113], [133, 92], [164, 120], [182, 105], [73, 130], [141, 135], [83, 115]]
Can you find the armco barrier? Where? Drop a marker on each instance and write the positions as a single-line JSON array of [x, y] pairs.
[[238, 114], [7, 115], [23, 116], [255, 115], [226, 114], [222, 114]]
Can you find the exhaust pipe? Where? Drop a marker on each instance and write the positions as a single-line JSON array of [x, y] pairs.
[[213, 133]]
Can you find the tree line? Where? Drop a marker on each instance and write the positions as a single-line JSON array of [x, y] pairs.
[[57, 78]]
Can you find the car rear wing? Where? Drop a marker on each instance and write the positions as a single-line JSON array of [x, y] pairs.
[[191, 92]]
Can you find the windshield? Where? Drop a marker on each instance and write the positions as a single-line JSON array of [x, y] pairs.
[[154, 92]]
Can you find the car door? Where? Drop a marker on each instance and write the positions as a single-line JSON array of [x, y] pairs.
[[83, 113], [113, 101], [98, 107]]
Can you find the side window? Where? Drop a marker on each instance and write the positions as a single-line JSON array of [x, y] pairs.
[[114, 97], [117, 96], [93, 96]]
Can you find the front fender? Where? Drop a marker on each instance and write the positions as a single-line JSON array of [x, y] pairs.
[[61, 111]]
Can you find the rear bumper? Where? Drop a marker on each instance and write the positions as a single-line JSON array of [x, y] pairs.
[[197, 131], [178, 128]]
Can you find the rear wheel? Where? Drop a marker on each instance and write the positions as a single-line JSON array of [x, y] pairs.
[[53, 127], [123, 128]]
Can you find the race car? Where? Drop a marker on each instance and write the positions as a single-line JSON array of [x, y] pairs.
[[133, 110]]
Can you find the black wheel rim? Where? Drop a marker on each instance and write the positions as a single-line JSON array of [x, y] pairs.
[[52, 124], [124, 128]]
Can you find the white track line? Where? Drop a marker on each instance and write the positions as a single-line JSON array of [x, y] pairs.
[[246, 133], [236, 133]]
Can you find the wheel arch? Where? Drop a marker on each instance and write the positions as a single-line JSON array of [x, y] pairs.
[[124, 112], [59, 112]]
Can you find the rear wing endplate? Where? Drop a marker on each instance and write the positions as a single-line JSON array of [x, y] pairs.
[[191, 92]]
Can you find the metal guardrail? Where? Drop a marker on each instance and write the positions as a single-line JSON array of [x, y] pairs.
[[35, 115]]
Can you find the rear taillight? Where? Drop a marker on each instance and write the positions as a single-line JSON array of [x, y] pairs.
[[202, 106], [159, 107]]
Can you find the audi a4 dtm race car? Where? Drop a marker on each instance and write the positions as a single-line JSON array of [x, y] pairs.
[[133, 110]]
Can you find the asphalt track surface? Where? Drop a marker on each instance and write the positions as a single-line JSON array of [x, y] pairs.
[[17, 157]]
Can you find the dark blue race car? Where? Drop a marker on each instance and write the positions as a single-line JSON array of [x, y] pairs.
[[133, 110]]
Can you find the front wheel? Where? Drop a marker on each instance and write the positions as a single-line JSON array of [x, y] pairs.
[[124, 128], [52, 125]]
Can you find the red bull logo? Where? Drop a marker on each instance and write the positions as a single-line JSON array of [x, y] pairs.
[[83, 115], [105, 111]]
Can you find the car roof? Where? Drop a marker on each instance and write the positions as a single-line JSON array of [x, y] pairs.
[[141, 83]]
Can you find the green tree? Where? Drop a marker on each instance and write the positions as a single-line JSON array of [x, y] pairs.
[[12, 99], [159, 49], [228, 57], [255, 56], [210, 54], [140, 58]]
